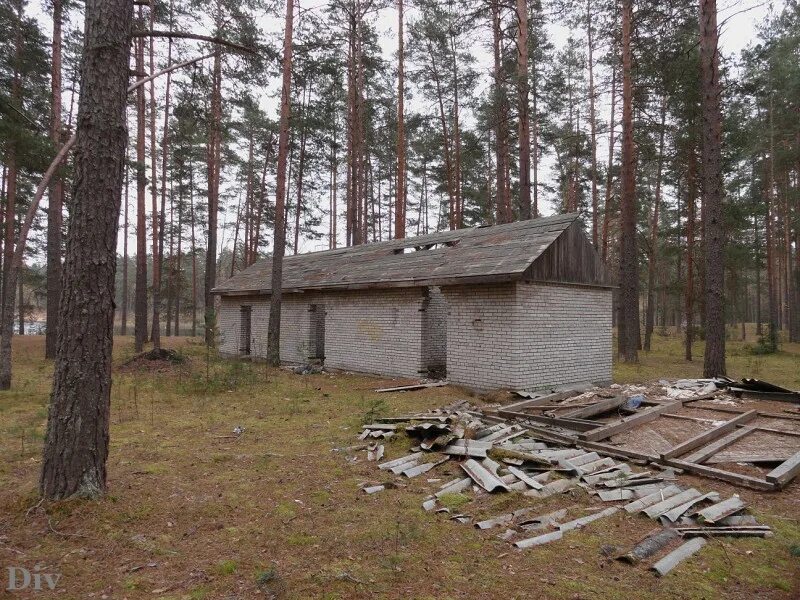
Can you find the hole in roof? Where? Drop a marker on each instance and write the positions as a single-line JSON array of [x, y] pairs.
[[424, 247]]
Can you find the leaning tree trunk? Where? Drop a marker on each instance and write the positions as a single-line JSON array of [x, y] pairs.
[[76, 445], [628, 332], [274, 328], [714, 238], [56, 193]]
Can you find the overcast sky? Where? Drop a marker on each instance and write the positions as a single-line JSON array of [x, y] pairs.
[[739, 19]]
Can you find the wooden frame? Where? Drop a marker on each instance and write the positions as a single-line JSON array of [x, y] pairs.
[[709, 436]]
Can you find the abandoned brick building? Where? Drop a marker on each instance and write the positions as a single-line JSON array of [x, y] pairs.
[[525, 305]]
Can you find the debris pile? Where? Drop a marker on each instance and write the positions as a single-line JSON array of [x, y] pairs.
[[506, 450]]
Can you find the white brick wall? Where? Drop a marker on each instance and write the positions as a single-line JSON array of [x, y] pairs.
[[376, 331], [527, 336], [295, 325], [367, 331], [519, 336]]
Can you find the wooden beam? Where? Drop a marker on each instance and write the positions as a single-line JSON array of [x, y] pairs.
[[785, 472], [598, 408], [744, 480], [574, 424], [709, 436], [705, 453], [736, 411], [622, 425]]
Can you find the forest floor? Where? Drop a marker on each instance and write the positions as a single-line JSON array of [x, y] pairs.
[[194, 511]]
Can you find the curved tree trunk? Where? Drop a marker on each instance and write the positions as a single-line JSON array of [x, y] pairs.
[[76, 444]]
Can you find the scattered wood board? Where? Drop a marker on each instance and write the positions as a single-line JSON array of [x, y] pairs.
[[710, 435], [412, 387]]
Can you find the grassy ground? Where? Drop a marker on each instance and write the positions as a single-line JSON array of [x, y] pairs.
[[194, 512]]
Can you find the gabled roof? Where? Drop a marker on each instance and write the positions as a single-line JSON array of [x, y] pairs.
[[479, 255]]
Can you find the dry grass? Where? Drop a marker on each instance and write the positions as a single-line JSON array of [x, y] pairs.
[[195, 513]]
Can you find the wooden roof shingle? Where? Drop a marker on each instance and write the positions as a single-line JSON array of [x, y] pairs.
[[479, 255]]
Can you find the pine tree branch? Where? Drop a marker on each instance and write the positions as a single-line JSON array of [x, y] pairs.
[[194, 36]]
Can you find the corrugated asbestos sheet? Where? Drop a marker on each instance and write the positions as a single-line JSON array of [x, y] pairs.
[[478, 255]]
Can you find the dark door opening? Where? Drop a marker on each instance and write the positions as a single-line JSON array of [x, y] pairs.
[[434, 334], [245, 329], [316, 345]]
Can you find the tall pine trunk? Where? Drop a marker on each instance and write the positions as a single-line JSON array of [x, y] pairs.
[[714, 232], [691, 196], [140, 301], [628, 324], [56, 192], [155, 334], [213, 167], [400, 195], [652, 265], [274, 328], [592, 124], [76, 444], [610, 168], [524, 129]]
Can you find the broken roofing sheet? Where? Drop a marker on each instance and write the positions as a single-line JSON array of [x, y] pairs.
[[552, 443]]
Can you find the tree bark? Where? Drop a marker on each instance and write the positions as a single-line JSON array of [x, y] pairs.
[[628, 332], [274, 328], [56, 191], [76, 443], [714, 237]]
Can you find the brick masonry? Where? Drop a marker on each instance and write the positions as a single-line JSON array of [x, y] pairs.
[[528, 335], [367, 331], [519, 336]]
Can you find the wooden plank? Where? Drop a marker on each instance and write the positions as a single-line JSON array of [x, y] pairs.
[[726, 409], [622, 425], [710, 435], [598, 408], [785, 472], [735, 478], [411, 388], [710, 450], [574, 424]]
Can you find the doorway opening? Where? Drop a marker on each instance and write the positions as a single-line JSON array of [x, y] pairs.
[[245, 329], [434, 334], [316, 342]]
